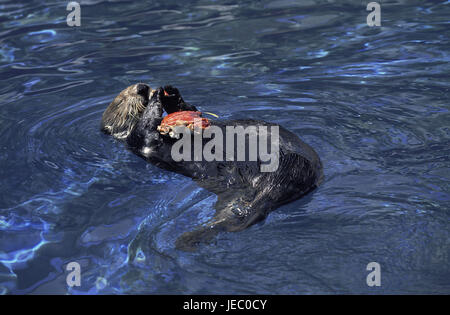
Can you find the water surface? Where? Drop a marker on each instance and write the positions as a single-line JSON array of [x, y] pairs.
[[372, 101]]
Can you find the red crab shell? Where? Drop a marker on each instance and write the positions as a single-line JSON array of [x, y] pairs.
[[190, 119]]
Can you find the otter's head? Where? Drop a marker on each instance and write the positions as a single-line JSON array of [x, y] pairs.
[[125, 110]]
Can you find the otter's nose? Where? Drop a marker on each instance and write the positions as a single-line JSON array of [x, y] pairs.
[[142, 89]]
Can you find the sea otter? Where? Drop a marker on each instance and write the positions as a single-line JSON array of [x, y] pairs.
[[246, 193]]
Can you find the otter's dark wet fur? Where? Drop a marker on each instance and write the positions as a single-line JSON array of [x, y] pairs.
[[245, 194]]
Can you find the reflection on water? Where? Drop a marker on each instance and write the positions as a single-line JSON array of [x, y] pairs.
[[372, 101]]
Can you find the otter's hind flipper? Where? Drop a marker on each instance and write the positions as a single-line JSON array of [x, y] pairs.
[[189, 241], [232, 215]]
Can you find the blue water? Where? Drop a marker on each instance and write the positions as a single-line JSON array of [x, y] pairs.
[[372, 101]]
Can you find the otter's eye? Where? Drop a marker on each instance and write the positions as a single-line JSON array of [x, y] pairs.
[[142, 89]]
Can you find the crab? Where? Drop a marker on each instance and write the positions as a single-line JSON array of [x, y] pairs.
[[190, 119]]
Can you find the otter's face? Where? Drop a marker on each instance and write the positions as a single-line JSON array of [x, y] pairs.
[[125, 110]]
